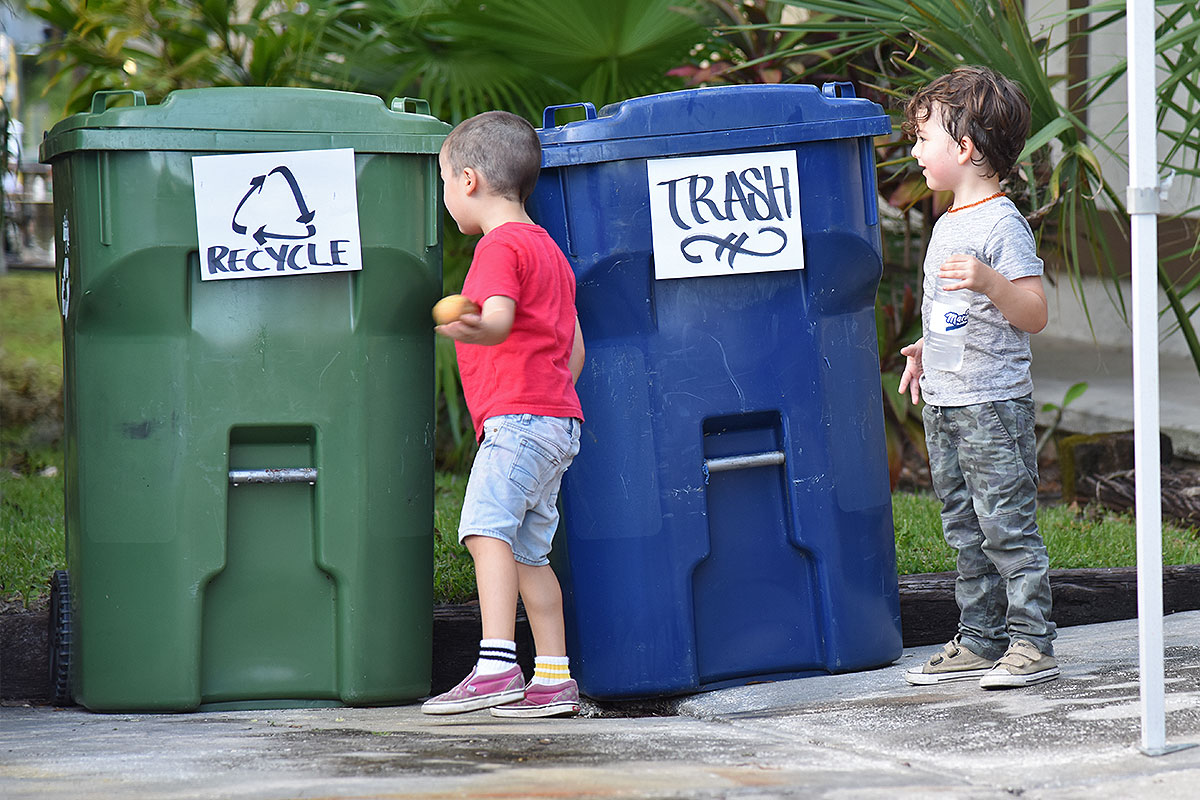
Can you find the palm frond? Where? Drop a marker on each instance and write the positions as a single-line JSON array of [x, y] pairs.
[[1067, 193]]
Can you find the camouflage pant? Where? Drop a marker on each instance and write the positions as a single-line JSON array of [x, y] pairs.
[[984, 464]]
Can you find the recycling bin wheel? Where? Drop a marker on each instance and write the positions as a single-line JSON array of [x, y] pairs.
[[60, 638]]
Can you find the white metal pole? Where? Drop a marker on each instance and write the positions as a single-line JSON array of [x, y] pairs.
[[1143, 208]]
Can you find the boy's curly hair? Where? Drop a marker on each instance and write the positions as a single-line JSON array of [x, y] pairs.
[[978, 103], [502, 147]]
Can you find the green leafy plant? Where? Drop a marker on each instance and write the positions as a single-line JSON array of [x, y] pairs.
[[1071, 395], [895, 46], [747, 45], [455, 445], [520, 55], [898, 324], [156, 46]]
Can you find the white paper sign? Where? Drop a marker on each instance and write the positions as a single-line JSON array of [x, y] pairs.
[[725, 214], [276, 214]]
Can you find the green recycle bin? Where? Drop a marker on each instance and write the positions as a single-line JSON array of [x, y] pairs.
[[246, 276]]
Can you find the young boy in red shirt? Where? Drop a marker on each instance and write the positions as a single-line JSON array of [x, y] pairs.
[[519, 358]]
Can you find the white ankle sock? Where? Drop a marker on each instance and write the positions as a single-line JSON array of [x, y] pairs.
[[551, 669], [495, 655]]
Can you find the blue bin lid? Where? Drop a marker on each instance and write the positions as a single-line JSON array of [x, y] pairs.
[[710, 120]]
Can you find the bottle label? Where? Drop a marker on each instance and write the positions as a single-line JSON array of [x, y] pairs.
[[948, 319]]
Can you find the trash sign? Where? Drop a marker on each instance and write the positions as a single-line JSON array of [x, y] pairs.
[[275, 214], [725, 214]]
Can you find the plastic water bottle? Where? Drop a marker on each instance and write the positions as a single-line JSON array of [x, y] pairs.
[[947, 335]]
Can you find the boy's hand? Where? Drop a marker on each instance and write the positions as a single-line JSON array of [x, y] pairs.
[[467, 328], [491, 326], [1022, 301], [910, 380], [968, 272]]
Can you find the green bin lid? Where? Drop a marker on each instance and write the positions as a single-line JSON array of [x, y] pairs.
[[248, 119]]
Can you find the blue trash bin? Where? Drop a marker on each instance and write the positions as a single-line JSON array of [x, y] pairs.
[[728, 518]]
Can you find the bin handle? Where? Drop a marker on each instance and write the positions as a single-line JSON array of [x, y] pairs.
[[726, 463], [838, 89], [283, 475], [551, 111], [420, 105], [100, 99]]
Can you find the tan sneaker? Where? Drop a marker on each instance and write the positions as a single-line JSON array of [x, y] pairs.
[[952, 663], [1022, 665]]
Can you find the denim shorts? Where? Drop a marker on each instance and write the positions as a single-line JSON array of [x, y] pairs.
[[512, 493]]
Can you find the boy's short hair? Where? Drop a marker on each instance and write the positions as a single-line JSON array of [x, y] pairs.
[[502, 147], [978, 103]]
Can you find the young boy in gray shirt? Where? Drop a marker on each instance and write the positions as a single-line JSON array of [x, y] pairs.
[[970, 126]]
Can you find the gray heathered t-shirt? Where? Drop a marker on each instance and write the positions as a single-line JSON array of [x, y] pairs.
[[996, 359]]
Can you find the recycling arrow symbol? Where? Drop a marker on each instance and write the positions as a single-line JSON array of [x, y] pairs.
[[305, 215]]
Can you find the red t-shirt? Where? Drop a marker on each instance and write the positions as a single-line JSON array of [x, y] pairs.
[[529, 372]]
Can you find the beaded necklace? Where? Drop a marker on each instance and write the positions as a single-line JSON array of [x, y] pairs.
[[976, 203]]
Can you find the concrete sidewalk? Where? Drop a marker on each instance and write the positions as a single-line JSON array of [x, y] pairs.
[[861, 735]]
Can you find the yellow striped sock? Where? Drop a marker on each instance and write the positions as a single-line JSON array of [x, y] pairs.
[[551, 669]]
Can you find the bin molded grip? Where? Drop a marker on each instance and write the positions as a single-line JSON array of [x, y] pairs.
[[866, 155], [551, 111], [420, 105], [280, 475], [100, 99], [837, 89], [770, 458]]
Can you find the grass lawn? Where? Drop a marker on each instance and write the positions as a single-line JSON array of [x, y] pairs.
[[32, 539], [1075, 538], [453, 570], [31, 469], [31, 547], [31, 482]]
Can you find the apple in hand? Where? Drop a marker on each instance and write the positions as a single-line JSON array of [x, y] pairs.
[[452, 307]]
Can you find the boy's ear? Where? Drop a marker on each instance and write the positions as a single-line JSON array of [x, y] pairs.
[[470, 180], [966, 150]]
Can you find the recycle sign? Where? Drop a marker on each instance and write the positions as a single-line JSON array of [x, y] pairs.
[[305, 216], [276, 214]]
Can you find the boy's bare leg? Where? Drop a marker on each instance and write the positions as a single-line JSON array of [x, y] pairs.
[[542, 597], [551, 692], [496, 579]]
